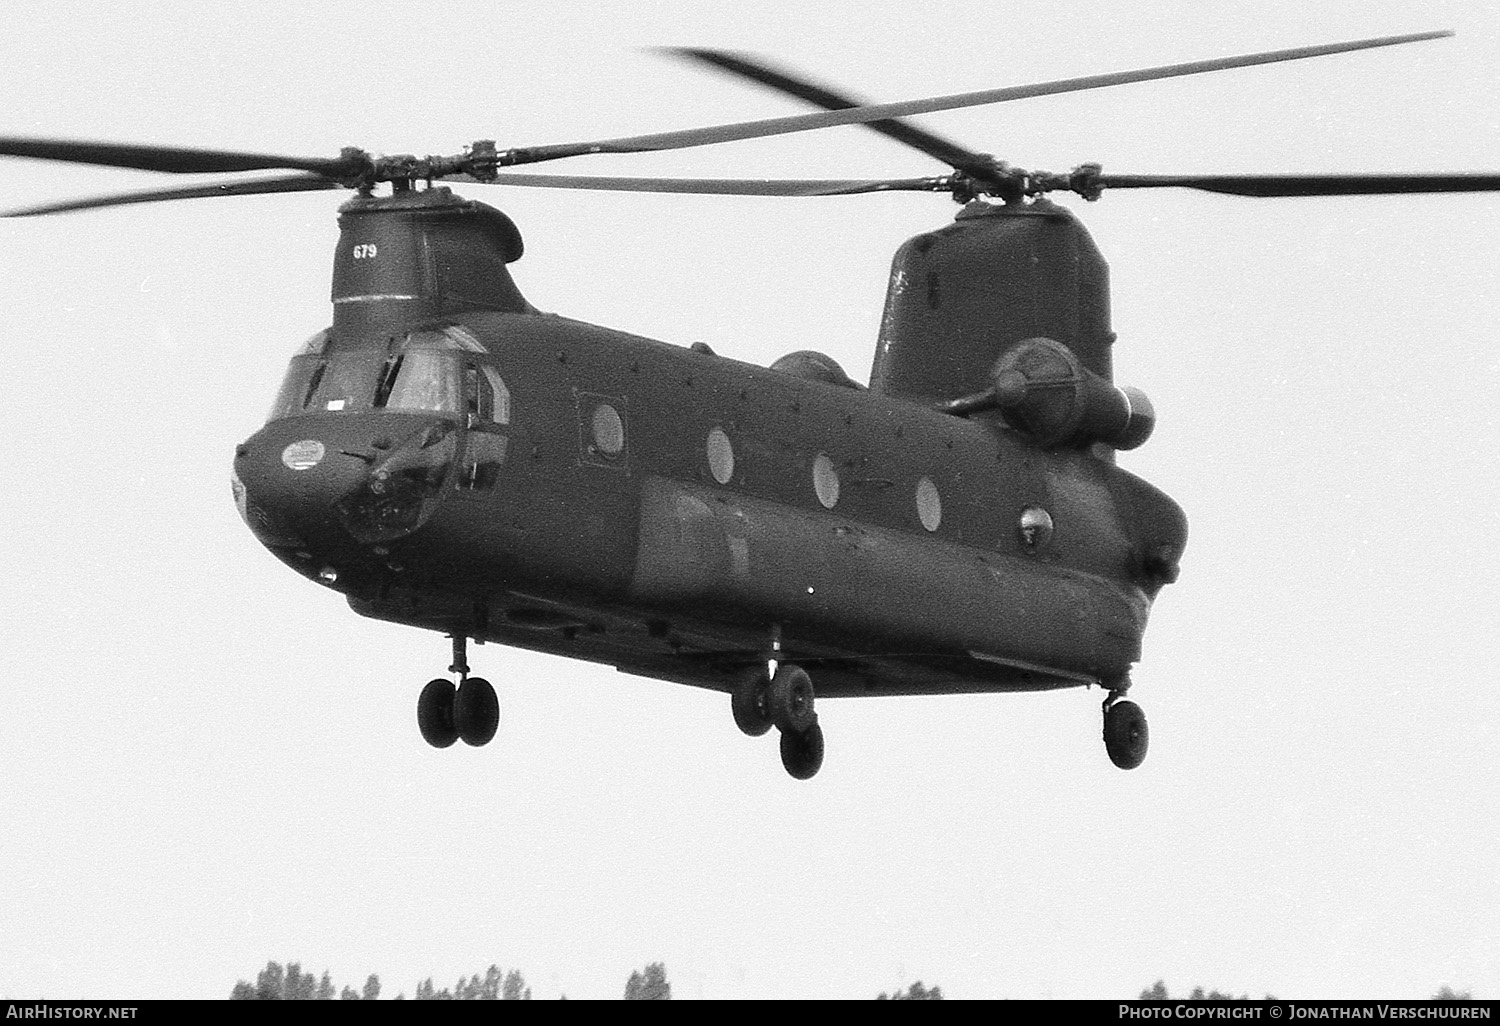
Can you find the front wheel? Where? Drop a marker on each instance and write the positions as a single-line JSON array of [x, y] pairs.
[[435, 714], [476, 712], [748, 703], [789, 699], [1125, 734]]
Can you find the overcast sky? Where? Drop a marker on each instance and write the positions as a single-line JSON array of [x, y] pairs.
[[209, 762]]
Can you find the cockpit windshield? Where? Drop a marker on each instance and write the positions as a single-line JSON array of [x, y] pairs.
[[421, 379], [428, 372]]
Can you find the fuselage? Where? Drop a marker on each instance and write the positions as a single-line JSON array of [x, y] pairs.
[[537, 481]]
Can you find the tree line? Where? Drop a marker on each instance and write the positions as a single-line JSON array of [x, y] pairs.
[[289, 983]]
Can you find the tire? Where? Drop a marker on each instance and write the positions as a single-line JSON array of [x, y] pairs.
[[789, 699], [802, 754], [748, 703], [476, 712], [1126, 736], [435, 714]]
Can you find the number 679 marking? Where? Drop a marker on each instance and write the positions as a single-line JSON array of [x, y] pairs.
[[364, 251]]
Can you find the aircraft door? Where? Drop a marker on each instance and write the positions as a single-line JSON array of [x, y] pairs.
[[486, 441]]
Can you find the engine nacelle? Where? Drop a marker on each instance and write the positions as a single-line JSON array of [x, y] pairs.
[[1043, 390]]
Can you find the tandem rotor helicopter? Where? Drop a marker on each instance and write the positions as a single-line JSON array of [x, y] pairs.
[[448, 457]]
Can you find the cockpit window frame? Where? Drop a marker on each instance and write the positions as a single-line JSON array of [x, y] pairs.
[[427, 382], [442, 370]]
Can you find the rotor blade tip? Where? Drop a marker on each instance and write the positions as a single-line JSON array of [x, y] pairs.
[[692, 52]]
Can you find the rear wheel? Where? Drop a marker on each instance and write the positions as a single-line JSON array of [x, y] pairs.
[[435, 714], [1126, 736], [802, 754]]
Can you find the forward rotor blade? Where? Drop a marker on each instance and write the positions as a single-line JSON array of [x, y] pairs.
[[1310, 185], [171, 159], [960, 158], [721, 186], [886, 111], [246, 187]]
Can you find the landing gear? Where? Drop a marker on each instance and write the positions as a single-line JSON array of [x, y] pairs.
[[476, 712], [1125, 734], [761, 700], [748, 703], [789, 699], [470, 711], [802, 754], [435, 713]]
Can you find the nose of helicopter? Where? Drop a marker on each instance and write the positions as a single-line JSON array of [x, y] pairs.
[[333, 486]]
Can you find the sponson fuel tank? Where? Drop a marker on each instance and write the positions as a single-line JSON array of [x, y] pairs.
[[961, 296]]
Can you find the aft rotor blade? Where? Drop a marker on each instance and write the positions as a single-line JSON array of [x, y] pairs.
[[722, 186], [886, 111], [960, 158], [1310, 185], [245, 187], [171, 159]]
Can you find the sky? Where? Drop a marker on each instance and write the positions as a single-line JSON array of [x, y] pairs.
[[210, 763]]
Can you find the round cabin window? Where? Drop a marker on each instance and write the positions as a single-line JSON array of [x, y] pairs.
[[825, 481], [609, 430], [1035, 528], [929, 504], [720, 456]]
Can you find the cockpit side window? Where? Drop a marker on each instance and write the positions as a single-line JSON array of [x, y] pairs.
[[500, 412], [423, 379], [485, 395], [295, 387], [487, 402], [298, 385], [478, 396]]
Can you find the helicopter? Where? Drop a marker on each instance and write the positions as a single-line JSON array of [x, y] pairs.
[[448, 457]]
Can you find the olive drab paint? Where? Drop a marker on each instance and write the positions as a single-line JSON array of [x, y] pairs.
[[418, 254], [669, 511], [449, 458], [961, 295]]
